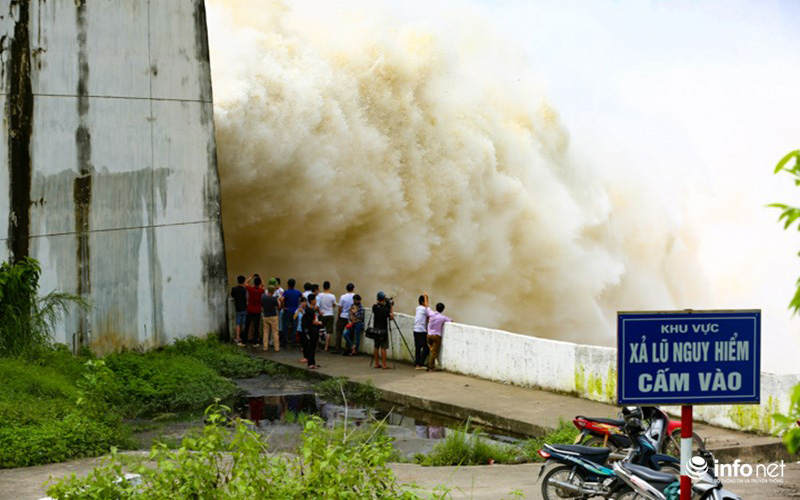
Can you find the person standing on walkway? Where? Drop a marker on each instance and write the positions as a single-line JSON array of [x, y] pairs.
[[345, 302], [270, 304], [381, 314], [239, 295], [302, 308], [327, 305], [291, 300], [352, 331], [311, 325], [254, 293], [421, 349], [436, 321]]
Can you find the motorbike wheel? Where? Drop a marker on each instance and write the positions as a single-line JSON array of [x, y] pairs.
[[672, 445], [560, 473], [597, 442], [628, 494], [671, 468]]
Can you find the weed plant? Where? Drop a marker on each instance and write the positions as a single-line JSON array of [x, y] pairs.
[[565, 433], [26, 320], [466, 446], [224, 465], [338, 390]]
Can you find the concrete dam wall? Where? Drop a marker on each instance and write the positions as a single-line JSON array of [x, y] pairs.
[[110, 174]]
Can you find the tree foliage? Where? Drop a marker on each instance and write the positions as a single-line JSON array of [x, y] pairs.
[[790, 423]]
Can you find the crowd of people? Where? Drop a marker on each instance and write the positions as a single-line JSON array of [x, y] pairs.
[[269, 316]]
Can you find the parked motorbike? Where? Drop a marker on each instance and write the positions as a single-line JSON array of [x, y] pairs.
[[575, 471], [644, 483], [607, 432]]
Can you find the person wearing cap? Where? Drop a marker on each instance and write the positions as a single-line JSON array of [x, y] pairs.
[[381, 314]]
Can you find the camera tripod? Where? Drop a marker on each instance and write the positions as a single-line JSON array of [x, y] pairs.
[[391, 322]]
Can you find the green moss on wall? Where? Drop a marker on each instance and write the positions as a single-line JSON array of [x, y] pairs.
[[580, 379], [755, 417], [611, 385]]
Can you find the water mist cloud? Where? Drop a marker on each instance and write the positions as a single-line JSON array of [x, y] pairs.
[[406, 159]]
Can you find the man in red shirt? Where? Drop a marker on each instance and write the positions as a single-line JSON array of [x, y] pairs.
[[254, 293]]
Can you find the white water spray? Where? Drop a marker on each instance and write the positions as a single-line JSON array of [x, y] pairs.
[[405, 159]]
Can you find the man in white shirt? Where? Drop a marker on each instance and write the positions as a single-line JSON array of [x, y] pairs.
[[345, 302], [327, 301], [421, 349]]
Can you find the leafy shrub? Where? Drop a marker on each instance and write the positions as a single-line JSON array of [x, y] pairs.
[[218, 466], [26, 320], [789, 425]]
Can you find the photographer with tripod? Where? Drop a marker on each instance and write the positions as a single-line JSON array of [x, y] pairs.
[[381, 314]]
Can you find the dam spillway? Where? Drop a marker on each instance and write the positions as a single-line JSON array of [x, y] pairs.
[[110, 175]]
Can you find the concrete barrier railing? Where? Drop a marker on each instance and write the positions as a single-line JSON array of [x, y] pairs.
[[583, 370]]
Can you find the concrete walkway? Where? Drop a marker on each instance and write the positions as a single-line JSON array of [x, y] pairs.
[[513, 409], [486, 482]]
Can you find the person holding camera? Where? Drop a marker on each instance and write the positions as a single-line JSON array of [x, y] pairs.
[[381, 314]]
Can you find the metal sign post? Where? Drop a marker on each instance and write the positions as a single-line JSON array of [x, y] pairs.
[[687, 358], [686, 451]]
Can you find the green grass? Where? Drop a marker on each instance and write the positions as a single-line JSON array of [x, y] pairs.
[[467, 446], [565, 433], [42, 422], [365, 394], [148, 384], [225, 359]]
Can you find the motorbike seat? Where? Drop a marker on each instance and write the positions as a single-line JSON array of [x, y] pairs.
[[649, 475], [574, 449], [609, 421]]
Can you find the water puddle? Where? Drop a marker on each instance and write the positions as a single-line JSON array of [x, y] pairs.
[[277, 405]]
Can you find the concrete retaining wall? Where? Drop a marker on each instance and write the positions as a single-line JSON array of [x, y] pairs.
[[109, 175], [583, 370]]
